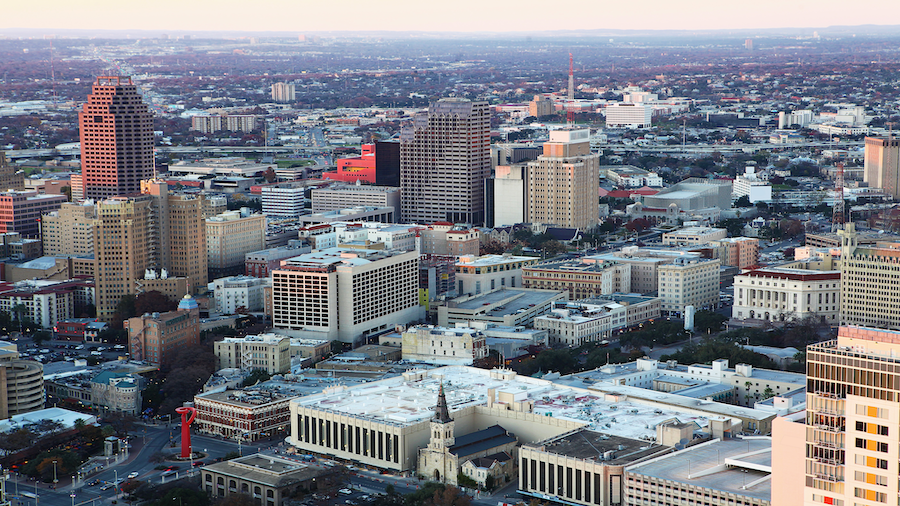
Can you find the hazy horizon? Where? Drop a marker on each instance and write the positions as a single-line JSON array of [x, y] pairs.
[[301, 16]]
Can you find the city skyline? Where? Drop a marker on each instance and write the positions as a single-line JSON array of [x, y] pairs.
[[203, 15]]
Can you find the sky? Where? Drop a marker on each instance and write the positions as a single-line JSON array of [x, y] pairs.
[[304, 16]]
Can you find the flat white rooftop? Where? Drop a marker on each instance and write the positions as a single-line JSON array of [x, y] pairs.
[[404, 402]]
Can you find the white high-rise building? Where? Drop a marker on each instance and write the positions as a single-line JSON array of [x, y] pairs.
[[284, 92], [286, 202], [628, 115], [345, 294]]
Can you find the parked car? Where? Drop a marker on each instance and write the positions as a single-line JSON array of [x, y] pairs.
[[133, 475]]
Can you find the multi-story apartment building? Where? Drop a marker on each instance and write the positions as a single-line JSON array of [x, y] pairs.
[[269, 352], [156, 338], [578, 278], [779, 294], [476, 274], [229, 237], [284, 92], [870, 288], [645, 263], [244, 293], [345, 196], [44, 302], [561, 184], [445, 157], [245, 415], [283, 202], [116, 134], [69, 231], [882, 164], [345, 294], [692, 236], [689, 282], [852, 416], [20, 211], [443, 346]]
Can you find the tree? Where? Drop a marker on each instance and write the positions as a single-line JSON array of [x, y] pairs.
[[744, 201], [235, 499], [256, 376], [40, 336], [489, 482], [449, 496], [270, 176], [708, 321], [153, 302]]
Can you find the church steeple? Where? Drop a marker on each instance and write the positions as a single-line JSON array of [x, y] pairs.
[[441, 413]]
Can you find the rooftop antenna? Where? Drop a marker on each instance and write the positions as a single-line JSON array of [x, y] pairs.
[[570, 114], [52, 74]]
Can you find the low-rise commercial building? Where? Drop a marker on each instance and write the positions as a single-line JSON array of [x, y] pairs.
[[117, 392], [581, 278], [359, 213], [503, 306], [477, 274], [246, 415], [443, 346], [337, 197], [692, 236], [240, 294], [285, 202], [268, 479], [269, 352]]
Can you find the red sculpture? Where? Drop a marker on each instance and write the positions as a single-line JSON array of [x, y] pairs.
[[186, 430]]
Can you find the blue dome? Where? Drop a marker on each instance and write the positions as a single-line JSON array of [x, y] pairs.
[[188, 303]]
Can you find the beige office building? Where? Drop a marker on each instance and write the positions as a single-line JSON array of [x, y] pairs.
[[693, 236], [870, 287], [176, 234], [229, 237], [69, 231], [778, 294], [345, 294], [269, 352], [120, 248], [10, 177], [689, 282], [742, 252], [561, 187], [443, 346], [579, 278]]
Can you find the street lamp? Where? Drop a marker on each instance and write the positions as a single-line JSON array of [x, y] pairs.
[[72, 495], [116, 483]]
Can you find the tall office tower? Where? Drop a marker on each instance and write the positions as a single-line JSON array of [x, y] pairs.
[[881, 168], [870, 288], [283, 92], [116, 139], [177, 242], [445, 156], [120, 248], [852, 418], [10, 178], [69, 231], [561, 186]]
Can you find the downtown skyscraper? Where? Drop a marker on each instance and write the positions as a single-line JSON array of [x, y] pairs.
[[445, 157], [116, 133]]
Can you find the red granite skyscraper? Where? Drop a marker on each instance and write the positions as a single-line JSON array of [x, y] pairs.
[[116, 139]]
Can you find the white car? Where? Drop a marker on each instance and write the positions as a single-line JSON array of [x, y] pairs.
[[133, 475]]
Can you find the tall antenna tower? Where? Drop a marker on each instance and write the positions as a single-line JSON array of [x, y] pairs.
[[838, 218], [570, 114], [52, 74]]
